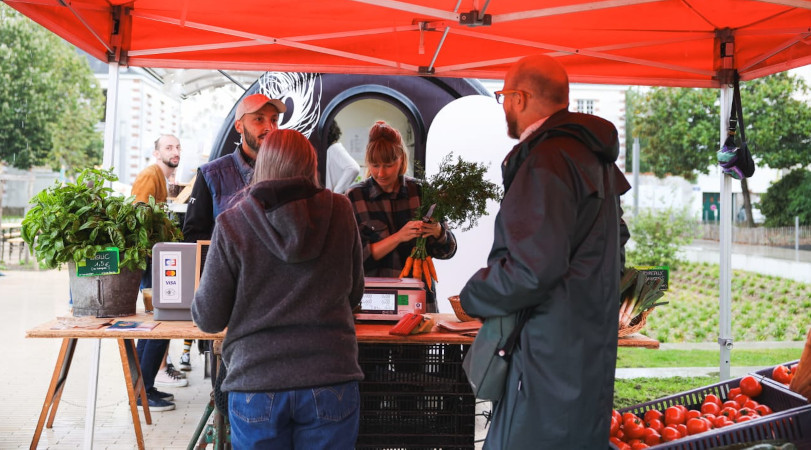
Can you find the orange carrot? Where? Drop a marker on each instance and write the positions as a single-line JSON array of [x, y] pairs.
[[427, 271], [407, 268], [431, 268], [418, 269]]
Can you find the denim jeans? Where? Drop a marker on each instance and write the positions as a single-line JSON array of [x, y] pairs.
[[316, 418], [150, 355]]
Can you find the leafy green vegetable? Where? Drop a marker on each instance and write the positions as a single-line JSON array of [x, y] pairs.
[[76, 220], [460, 193]]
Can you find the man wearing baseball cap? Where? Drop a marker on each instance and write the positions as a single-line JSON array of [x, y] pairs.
[[218, 182]]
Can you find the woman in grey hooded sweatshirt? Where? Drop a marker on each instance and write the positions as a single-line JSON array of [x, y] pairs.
[[283, 273]]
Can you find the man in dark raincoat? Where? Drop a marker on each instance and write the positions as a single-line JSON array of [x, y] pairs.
[[557, 249]]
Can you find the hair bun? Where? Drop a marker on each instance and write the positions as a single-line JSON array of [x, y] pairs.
[[382, 130]]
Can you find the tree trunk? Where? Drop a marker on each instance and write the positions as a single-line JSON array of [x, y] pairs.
[[747, 203]]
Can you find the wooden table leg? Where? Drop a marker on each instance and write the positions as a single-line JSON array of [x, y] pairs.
[[55, 389], [135, 387]]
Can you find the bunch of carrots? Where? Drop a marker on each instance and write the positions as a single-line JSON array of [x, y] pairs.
[[419, 265]]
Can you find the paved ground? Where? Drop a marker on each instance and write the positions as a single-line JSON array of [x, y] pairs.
[[28, 298]]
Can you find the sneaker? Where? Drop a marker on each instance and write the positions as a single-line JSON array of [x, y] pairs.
[[185, 362], [161, 395], [156, 404], [174, 372], [167, 379]]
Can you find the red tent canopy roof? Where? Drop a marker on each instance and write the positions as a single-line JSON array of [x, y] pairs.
[[649, 42]]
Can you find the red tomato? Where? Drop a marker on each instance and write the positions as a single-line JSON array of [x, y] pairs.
[[682, 429], [751, 386], [653, 414], [652, 437], [712, 398], [693, 414], [710, 417], [745, 412], [615, 413], [639, 446], [741, 399], [615, 426], [618, 442], [695, 426], [628, 416], [734, 392], [655, 424], [781, 374], [730, 412], [722, 421], [634, 428], [710, 408], [763, 410], [730, 404], [670, 434], [675, 415], [621, 434], [743, 419], [751, 404]]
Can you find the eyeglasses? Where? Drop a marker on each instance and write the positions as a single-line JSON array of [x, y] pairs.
[[500, 94]]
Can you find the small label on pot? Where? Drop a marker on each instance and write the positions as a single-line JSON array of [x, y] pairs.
[[104, 263]]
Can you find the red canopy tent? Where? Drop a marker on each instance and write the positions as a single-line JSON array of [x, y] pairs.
[[690, 43], [648, 42]]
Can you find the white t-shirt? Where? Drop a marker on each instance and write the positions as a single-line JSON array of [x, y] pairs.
[[342, 169]]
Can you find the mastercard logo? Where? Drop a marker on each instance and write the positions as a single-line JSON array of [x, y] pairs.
[[170, 273]]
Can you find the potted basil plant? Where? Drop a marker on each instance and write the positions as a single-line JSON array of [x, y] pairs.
[[104, 238]]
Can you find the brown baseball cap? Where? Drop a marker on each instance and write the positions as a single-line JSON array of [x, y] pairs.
[[255, 102]]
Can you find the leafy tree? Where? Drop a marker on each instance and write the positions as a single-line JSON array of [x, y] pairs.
[[679, 127], [50, 102], [787, 198]]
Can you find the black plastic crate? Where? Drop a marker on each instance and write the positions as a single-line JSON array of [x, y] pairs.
[[793, 425], [767, 372], [775, 396], [416, 397]]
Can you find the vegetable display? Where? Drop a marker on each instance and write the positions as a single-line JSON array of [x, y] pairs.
[[629, 431], [460, 193], [637, 295]]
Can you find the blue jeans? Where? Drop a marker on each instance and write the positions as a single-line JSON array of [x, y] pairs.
[[317, 418], [150, 356]]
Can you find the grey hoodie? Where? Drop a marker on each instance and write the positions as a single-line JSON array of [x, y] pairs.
[[283, 272]]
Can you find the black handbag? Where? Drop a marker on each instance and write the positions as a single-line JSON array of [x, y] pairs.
[[736, 160]]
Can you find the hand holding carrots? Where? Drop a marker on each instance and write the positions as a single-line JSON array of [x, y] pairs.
[[419, 265]]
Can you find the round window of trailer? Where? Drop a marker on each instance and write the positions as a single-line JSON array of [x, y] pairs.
[[355, 120]]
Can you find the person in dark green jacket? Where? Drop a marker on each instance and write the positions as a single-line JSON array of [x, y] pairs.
[[557, 250]]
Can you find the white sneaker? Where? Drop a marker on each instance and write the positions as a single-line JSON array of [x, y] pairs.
[[185, 362], [168, 379]]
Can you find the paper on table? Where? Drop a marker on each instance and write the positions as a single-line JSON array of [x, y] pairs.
[[80, 323]]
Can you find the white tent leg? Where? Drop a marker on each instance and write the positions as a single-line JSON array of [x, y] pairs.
[[725, 237], [110, 120]]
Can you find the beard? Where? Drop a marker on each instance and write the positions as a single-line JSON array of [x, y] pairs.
[[253, 142], [512, 126], [170, 163]]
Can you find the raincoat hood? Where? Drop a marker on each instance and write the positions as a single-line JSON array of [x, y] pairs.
[[596, 133], [291, 217]]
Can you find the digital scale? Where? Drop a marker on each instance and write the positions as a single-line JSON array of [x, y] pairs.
[[390, 298]]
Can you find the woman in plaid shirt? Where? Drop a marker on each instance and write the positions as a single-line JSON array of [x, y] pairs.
[[386, 204]]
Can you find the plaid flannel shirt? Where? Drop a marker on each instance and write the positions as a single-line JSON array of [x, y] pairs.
[[380, 214]]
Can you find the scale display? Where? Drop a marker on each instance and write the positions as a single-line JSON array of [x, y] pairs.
[[379, 302]]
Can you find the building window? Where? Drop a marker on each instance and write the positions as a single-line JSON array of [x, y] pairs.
[[585, 106]]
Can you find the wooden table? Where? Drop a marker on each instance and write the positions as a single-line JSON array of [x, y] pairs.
[[129, 364], [367, 332]]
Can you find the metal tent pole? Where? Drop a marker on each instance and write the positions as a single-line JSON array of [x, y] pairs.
[[725, 238], [110, 118]]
